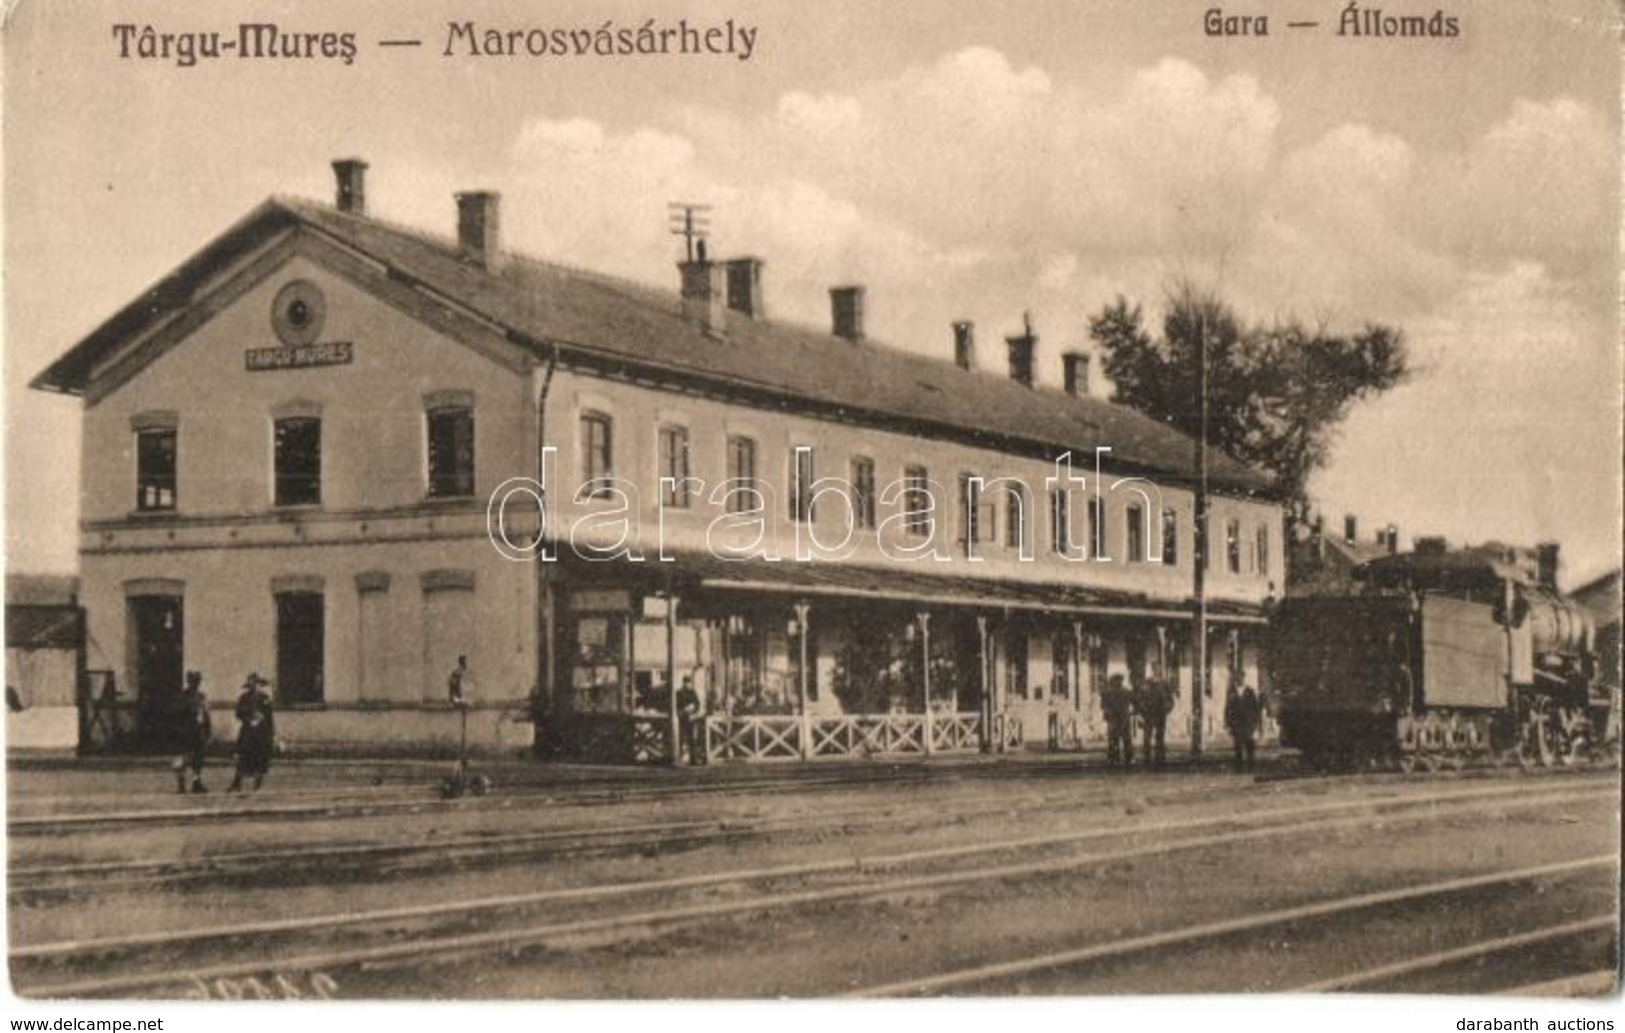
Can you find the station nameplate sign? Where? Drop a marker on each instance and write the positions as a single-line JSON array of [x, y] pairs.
[[332, 353]]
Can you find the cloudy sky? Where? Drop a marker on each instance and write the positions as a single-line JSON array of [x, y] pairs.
[[961, 159]]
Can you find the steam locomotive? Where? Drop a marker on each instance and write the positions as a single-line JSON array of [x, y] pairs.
[[1444, 658]]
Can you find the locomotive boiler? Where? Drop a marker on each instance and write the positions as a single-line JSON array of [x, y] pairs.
[[1443, 658]]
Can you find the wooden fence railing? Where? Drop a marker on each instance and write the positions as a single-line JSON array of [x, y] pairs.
[[757, 738]]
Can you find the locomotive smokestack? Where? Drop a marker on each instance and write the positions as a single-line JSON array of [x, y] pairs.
[[1546, 564]]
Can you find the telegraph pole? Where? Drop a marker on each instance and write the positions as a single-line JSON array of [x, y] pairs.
[[1199, 689]]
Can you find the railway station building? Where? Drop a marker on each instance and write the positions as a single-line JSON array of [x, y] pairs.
[[342, 454]]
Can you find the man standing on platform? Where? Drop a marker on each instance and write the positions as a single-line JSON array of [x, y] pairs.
[[1117, 706], [1242, 716], [1152, 701], [691, 715]]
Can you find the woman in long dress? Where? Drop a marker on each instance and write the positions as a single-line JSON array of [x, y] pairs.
[[256, 733]]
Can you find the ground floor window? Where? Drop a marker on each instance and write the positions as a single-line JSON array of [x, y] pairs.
[[1061, 666], [300, 642], [596, 650], [1015, 664]]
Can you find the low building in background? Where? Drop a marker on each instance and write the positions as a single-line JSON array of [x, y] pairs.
[[45, 662]]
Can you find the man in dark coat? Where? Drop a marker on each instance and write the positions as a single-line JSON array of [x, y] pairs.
[[195, 731], [1242, 716], [1117, 706], [691, 717], [1152, 701], [256, 733]]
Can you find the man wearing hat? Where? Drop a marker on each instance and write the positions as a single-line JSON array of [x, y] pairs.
[[1117, 705], [195, 733], [256, 733]]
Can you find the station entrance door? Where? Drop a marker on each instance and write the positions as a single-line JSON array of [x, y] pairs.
[[157, 638]]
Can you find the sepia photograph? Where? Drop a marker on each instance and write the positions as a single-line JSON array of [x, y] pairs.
[[1060, 506]]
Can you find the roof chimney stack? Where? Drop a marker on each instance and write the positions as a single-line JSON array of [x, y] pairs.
[[1021, 352], [745, 286], [351, 174], [1075, 370], [479, 227], [846, 310], [705, 294], [1351, 530], [1392, 533], [965, 344], [1546, 564]]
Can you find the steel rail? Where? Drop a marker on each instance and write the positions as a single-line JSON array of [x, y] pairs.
[[1226, 927], [57, 878], [48, 824], [1598, 983], [1440, 959]]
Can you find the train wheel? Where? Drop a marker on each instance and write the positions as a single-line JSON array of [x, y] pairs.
[[1534, 742]]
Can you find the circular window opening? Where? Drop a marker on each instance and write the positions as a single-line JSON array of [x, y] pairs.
[[298, 313]]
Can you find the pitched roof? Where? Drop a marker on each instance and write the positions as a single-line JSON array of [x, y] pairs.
[[1601, 596], [543, 305]]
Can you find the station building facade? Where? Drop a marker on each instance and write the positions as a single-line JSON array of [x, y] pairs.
[[342, 454]]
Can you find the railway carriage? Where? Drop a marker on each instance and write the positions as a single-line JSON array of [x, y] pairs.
[[1444, 657]]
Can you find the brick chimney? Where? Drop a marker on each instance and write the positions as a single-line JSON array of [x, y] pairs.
[[745, 287], [846, 311], [351, 174], [965, 344], [1022, 346], [479, 227], [705, 294], [1075, 372], [1546, 564], [1351, 530], [1391, 536]]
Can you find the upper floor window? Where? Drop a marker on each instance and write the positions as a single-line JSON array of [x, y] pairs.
[[1261, 559], [1232, 545], [597, 454], [299, 461], [970, 510], [155, 468], [451, 451], [1134, 525], [1097, 527], [674, 468], [917, 503], [863, 492], [1015, 515], [1170, 537], [1060, 520], [801, 482], [742, 475]]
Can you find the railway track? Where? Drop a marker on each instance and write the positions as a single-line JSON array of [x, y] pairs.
[[31, 881], [1054, 966], [333, 861], [179, 962], [59, 815], [322, 804]]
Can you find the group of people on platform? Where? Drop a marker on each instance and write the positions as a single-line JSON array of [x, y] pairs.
[[256, 735], [1152, 701]]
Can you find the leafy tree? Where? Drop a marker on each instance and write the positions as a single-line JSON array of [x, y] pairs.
[[1276, 394]]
